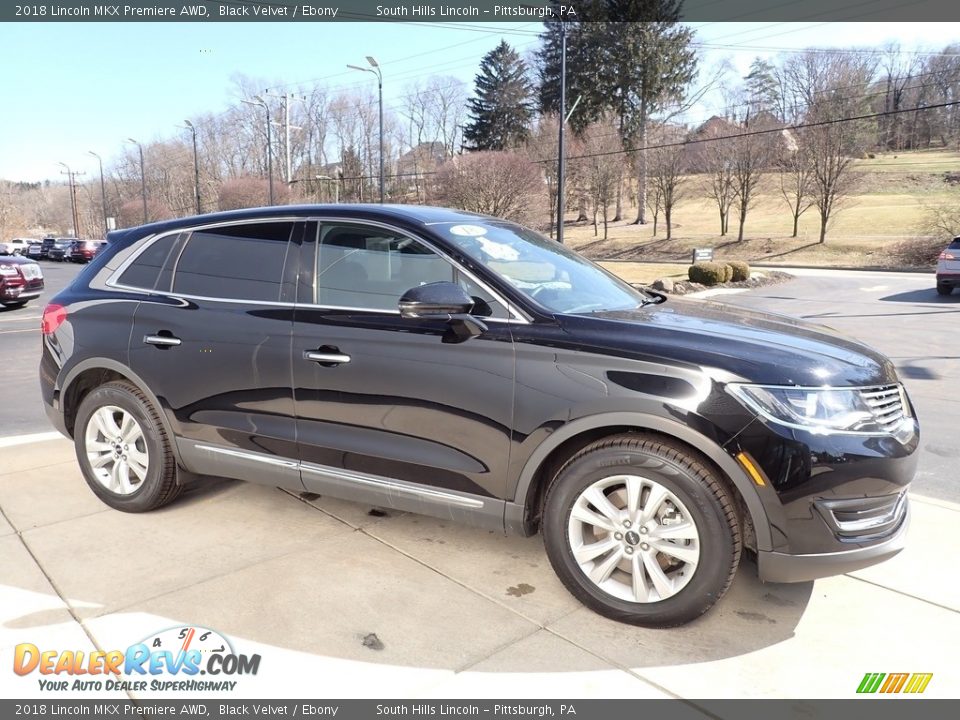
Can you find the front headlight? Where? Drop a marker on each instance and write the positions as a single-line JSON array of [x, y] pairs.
[[821, 410]]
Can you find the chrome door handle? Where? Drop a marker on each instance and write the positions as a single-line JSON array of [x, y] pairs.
[[161, 340], [334, 358]]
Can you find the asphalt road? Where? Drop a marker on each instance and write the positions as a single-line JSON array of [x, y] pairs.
[[21, 410], [901, 315], [898, 313]]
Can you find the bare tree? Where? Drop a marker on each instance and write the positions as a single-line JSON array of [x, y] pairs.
[[667, 167], [715, 159], [832, 182], [796, 175], [751, 157], [499, 183], [542, 145], [604, 169]]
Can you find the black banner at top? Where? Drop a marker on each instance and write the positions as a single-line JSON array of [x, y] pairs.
[[475, 11]]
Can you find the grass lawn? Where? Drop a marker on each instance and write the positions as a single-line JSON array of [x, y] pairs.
[[645, 273], [890, 206]]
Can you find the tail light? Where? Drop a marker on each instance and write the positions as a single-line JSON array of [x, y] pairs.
[[53, 317], [945, 255]]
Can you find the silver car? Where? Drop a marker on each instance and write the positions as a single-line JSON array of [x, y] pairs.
[[948, 268]]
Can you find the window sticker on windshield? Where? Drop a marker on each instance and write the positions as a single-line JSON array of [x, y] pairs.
[[498, 251], [468, 230]]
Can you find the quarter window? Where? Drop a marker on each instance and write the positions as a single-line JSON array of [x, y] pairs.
[[145, 269], [236, 262], [370, 268]]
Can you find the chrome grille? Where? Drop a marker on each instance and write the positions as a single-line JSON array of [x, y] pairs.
[[887, 404]]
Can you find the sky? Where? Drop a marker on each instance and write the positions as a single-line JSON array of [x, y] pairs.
[[73, 87]]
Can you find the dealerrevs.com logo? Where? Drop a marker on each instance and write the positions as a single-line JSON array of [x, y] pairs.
[[173, 660]]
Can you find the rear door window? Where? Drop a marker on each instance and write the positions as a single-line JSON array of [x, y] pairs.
[[144, 271], [241, 262]]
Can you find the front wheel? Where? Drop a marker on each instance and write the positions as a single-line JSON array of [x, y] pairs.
[[123, 450], [641, 531]]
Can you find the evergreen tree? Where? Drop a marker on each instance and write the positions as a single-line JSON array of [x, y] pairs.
[[502, 107], [632, 59], [761, 87]]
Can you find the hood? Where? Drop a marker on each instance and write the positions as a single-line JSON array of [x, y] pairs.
[[756, 346]]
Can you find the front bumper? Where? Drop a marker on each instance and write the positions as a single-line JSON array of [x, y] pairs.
[[785, 568]]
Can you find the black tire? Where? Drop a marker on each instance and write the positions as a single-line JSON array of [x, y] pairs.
[[944, 289], [160, 485], [681, 472]]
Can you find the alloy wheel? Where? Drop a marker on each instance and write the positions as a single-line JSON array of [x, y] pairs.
[[633, 538], [117, 450]]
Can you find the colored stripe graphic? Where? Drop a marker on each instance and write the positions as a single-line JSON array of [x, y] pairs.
[[870, 682], [918, 682], [894, 683]]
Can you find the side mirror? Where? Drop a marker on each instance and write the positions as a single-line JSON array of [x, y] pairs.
[[435, 299], [443, 300]]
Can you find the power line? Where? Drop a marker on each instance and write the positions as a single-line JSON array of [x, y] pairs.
[[750, 133]]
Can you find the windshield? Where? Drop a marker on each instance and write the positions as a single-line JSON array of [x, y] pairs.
[[546, 271]]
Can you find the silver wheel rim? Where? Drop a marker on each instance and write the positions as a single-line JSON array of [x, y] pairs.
[[633, 539], [117, 450]]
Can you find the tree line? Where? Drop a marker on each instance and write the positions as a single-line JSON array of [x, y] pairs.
[[639, 144]]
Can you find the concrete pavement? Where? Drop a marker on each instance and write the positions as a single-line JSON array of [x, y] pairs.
[[342, 603]]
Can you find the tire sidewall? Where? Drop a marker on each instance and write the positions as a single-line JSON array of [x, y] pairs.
[[717, 546], [145, 496]]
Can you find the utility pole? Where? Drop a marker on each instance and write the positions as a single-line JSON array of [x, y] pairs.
[[260, 102], [375, 70], [285, 101], [72, 179], [196, 164], [103, 194]]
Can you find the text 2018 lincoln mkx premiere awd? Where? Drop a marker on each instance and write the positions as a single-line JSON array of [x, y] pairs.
[[461, 366]]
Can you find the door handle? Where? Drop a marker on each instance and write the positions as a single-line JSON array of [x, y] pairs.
[[331, 357], [161, 340]]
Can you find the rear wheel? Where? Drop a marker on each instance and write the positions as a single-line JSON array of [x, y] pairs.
[[944, 289], [641, 531], [123, 450]]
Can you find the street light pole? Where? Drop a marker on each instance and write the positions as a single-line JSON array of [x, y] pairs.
[[260, 102], [103, 193], [562, 120], [375, 69], [196, 164], [143, 179]]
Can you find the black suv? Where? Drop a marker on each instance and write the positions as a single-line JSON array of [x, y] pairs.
[[457, 365]]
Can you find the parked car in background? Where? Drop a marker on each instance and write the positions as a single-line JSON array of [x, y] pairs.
[[21, 280], [452, 364], [16, 246], [83, 251], [34, 250], [60, 250], [948, 268], [48, 243]]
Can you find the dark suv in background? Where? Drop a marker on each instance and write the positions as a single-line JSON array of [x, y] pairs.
[[457, 365]]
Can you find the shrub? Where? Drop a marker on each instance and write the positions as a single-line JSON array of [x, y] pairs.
[[741, 270], [727, 273], [707, 273]]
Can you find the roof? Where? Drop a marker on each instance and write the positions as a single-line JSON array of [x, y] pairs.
[[418, 214]]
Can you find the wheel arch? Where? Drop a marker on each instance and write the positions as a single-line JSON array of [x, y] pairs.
[[522, 514], [90, 374]]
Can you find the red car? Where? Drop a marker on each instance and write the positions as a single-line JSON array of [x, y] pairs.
[[83, 251], [21, 280]]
